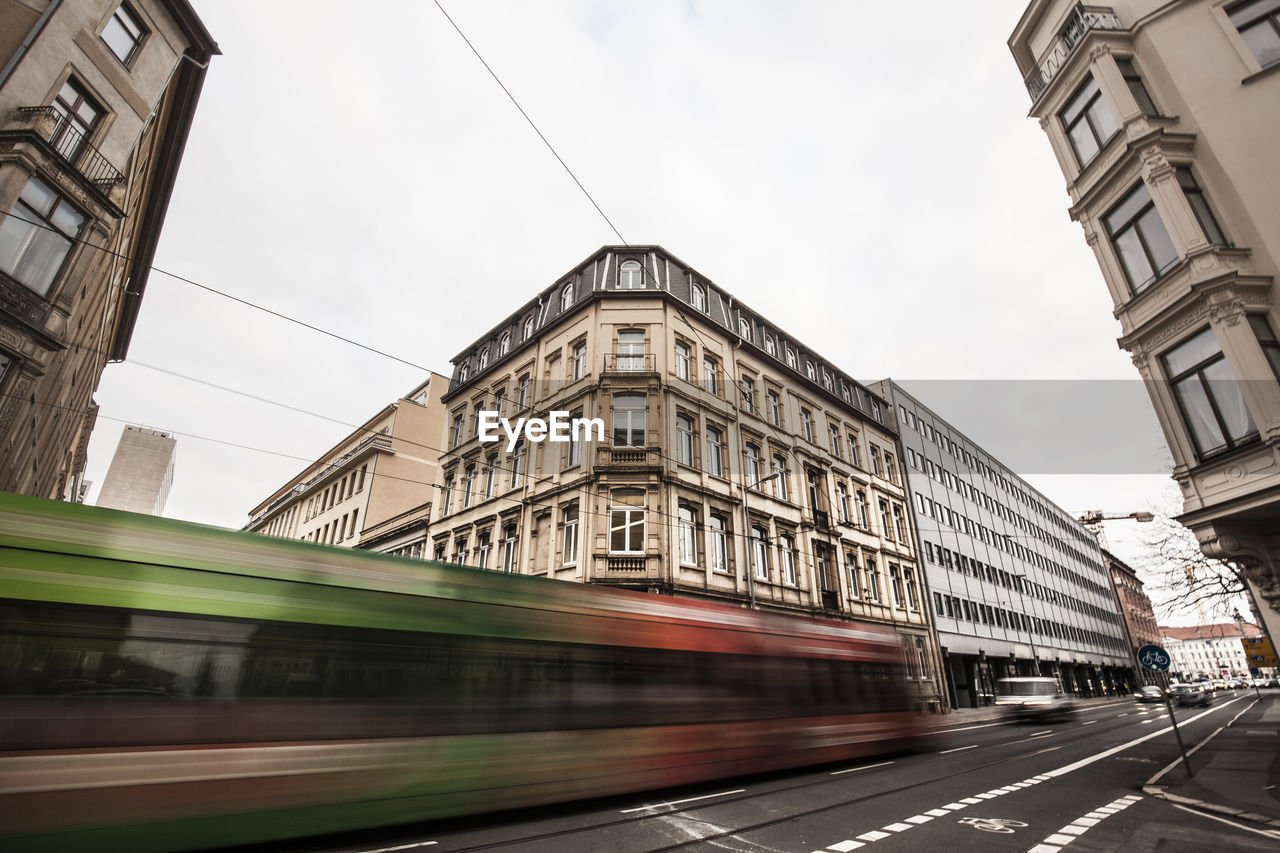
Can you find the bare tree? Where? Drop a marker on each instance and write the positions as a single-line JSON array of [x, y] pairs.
[[1183, 581]]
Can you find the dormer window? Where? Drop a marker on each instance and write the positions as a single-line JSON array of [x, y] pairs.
[[770, 347], [791, 358], [504, 344], [566, 298], [809, 369], [630, 276], [699, 298], [744, 327], [484, 358], [528, 327]]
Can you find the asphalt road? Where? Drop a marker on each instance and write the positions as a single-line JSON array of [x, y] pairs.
[[1075, 785]]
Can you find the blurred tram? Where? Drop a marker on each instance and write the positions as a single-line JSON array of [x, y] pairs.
[[170, 686]]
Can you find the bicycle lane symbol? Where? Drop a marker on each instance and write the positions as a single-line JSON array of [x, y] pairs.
[[1154, 660], [992, 824]]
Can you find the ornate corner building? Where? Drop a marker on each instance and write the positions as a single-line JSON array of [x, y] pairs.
[[735, 463], [96, 102], [1163, 117]]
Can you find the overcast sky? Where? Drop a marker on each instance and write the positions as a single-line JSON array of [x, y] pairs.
[[863, 176]]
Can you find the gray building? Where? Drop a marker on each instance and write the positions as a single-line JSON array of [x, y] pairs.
[[1017, 586], [141, 472]]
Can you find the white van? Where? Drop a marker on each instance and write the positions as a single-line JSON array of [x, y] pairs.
[[1035, 697]]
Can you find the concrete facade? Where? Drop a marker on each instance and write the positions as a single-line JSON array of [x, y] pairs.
[[1163, 119], [1016, 584], [700, 396], [370, 483], [96, 100], [141, 472]]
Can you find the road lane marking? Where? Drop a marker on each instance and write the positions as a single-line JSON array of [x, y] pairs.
[[678, 802], [896, 827], [1265, 832], [1089, 723], [846, 846], [865, 767], [402, 847], [958, 749], [968, 728], [873, 835], [919, 819], [942, 812], [1037, 734], [1078, 827]]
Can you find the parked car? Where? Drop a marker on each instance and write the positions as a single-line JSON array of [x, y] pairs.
[[1200, 693], [1037, 698], [1149, 693]]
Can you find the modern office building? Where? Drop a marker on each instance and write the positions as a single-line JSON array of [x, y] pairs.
[[1017, 585], [141, 472], [1163, 118], [96, 101], [1208, 651], [1135, 607], [375, 483], [736, 464]]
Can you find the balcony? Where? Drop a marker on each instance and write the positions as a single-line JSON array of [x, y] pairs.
[[1082, 20], [71, 146], [628, 458], [821, 519], [623, 363]]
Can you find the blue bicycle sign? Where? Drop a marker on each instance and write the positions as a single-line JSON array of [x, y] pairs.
[[1153, 658]]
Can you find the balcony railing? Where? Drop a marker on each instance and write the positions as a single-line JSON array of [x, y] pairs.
[[1081, 21], [628, 457], [624, 363], [627, 564], [821, 519], [52, 127]]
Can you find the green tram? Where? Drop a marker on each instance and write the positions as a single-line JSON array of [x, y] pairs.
[[173, 686]]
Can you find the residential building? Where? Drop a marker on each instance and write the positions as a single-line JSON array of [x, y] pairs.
[[1017, 585], [375, 484], [736, 463], [1208, 651], [141, 472], [1135, 607], [96, 101], [1162, 117]]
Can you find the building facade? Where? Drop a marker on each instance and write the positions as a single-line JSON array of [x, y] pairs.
[[1208, 651], [372, 484], [1017, 585], [141, 472], [96, 101], [1135, 607], [735, 463], [1162, 117]]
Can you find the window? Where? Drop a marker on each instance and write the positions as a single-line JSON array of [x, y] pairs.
[[895, 583], [899, 524], [873, 580], [522, 393], [446, 496], [460, 550], [748, 385], [806, 424], [751, 456], [528, 327], [715, 459], [482, 551], [626, 521], [504, 344], [629, 420], [484, 358], [630, 277], [566, 298], [688, 536], [509, 546], [699, 298], [570, 517], [1195, 198], [860, 498], [78, 115], [775, 408], [500, 402], [809, 369], [711, 374], [1261, 328], [888, 468], [719, 544], [517, 464], [842, 503], [684, 439], [123, 34], [780, 468], [1259, 26], [791, 358], [875, 461], [1211, 403], [455, 432], [834, 440], [579, 360], [33, 252], [491, 475], [464, 371], [744, 327], [769, 346], [854, 456], [787, 559], [1136, 88], [759, 553], [1140, 239], [468, 485], [631, 349], [1088, 121], [855, 588], [684, 355], [573, 453]]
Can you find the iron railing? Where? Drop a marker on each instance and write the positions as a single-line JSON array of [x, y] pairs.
[[625, 363], [69, 142], [1082, 20]]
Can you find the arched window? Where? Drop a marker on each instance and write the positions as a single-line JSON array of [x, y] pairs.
[[744, 327], [629, 420], [769, 346], [791, 358], [566, 298], [699, 298], [528, 327], [484, 358], [504, 344], [809, 369], [630, 276], [464, 372], [626, 521]]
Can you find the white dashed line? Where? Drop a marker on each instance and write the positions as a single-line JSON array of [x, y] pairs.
[[403, 847], [873, 835], [958, 749], [919, 819], [896, 827], [1089, 723], [942, 812], [678, 802], [865, 767], [1081, 825], [846, 846]]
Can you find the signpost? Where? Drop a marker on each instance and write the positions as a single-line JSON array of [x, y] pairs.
[[1156, 659]]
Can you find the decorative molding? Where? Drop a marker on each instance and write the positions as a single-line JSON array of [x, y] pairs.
[[1155, 165]]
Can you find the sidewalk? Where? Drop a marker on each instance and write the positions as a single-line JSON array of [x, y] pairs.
[[1237, 771]]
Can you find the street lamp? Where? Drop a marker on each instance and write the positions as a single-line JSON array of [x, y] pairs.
[[1097, 516], [746, 530]]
